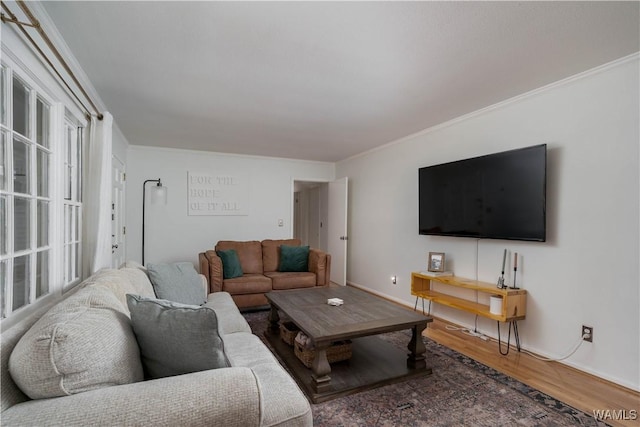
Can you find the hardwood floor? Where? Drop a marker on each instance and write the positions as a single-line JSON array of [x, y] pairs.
[[576, 388]]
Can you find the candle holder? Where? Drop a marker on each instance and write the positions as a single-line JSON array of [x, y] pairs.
[[501, 284], [515, 271]]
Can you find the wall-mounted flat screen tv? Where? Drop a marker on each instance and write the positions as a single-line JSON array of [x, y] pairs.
[[497, 196]]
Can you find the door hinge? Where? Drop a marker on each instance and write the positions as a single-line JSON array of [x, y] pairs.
[[124, 176]]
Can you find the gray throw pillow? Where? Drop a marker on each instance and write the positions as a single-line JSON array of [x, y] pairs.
[[177, 282], [175, 338]]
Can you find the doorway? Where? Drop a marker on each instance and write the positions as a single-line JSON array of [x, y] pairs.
[[320, 221], [309, 215]]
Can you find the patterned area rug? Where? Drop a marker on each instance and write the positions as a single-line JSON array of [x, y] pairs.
[[460, 392]]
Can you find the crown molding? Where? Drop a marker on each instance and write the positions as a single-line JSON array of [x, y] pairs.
[[502, 104]]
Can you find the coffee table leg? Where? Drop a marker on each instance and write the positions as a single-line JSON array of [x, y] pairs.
[[321, 369], [274, 320], [416, 347]]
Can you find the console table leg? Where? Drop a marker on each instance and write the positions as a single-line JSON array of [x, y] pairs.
[[321, 370], [274, 320], [416, 347]]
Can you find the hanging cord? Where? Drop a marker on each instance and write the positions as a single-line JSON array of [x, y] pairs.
[[475, 323], [466, 331], [535, 356], [546, 359], [477, 257]]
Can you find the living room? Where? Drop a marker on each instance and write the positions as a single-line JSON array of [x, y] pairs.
[[585, 273]]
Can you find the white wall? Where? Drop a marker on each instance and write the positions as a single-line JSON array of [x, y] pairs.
[[586, 272], [120, 144], [172, 235]]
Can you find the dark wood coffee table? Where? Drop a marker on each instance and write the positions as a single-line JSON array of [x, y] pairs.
[[374, 362]]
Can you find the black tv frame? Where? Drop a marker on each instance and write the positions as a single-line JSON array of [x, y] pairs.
[[476, 164]]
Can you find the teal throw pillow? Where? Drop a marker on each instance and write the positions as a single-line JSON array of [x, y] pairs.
[[177, 282], [174, 338], [294, 258], [230, 263]]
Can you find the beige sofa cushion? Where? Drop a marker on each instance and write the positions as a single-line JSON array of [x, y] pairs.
[[229, 318], [122, 282], [83, 343]]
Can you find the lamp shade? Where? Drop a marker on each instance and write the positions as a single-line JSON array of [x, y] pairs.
[[158, 195]]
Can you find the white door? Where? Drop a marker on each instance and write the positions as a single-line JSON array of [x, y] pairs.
[[337, 229], [118, 229]]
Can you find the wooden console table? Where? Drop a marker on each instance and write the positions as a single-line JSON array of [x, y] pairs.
[[514, 301]]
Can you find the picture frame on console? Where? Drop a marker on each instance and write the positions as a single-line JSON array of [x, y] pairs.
[[436, 262]]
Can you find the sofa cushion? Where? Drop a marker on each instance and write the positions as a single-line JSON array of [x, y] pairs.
[[229, 318], [247, 284], [293, 280], [249, 253], [83, 343], [271, 252], [175, 338], [294, 258], [279, 398], [231, 267], [244, 349], [177, 282], [121, 282], [139, 280]]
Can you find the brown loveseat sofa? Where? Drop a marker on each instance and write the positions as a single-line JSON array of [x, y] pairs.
[[259, 262]]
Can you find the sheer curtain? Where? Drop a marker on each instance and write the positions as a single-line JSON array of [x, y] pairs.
[[97, 192]]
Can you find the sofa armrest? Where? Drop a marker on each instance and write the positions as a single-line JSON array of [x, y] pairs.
[[320, 264], [211, 268], [203, 264], [226, 396], [204, 284]]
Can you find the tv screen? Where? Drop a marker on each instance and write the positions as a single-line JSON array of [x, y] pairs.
[[498, 196]]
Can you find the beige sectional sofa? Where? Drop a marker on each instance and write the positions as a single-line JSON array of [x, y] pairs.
[[260, 261], [96, 385]]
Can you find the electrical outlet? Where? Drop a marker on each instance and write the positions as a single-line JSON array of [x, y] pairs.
[[587, 330]]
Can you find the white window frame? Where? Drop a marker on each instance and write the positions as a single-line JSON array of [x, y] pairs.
[[59, 118], [72, 233]]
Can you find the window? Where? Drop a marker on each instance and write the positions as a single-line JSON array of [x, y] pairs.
[[72, 203], [32, 235]]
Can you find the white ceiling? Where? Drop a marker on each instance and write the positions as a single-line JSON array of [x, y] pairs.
[[326, 80]]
